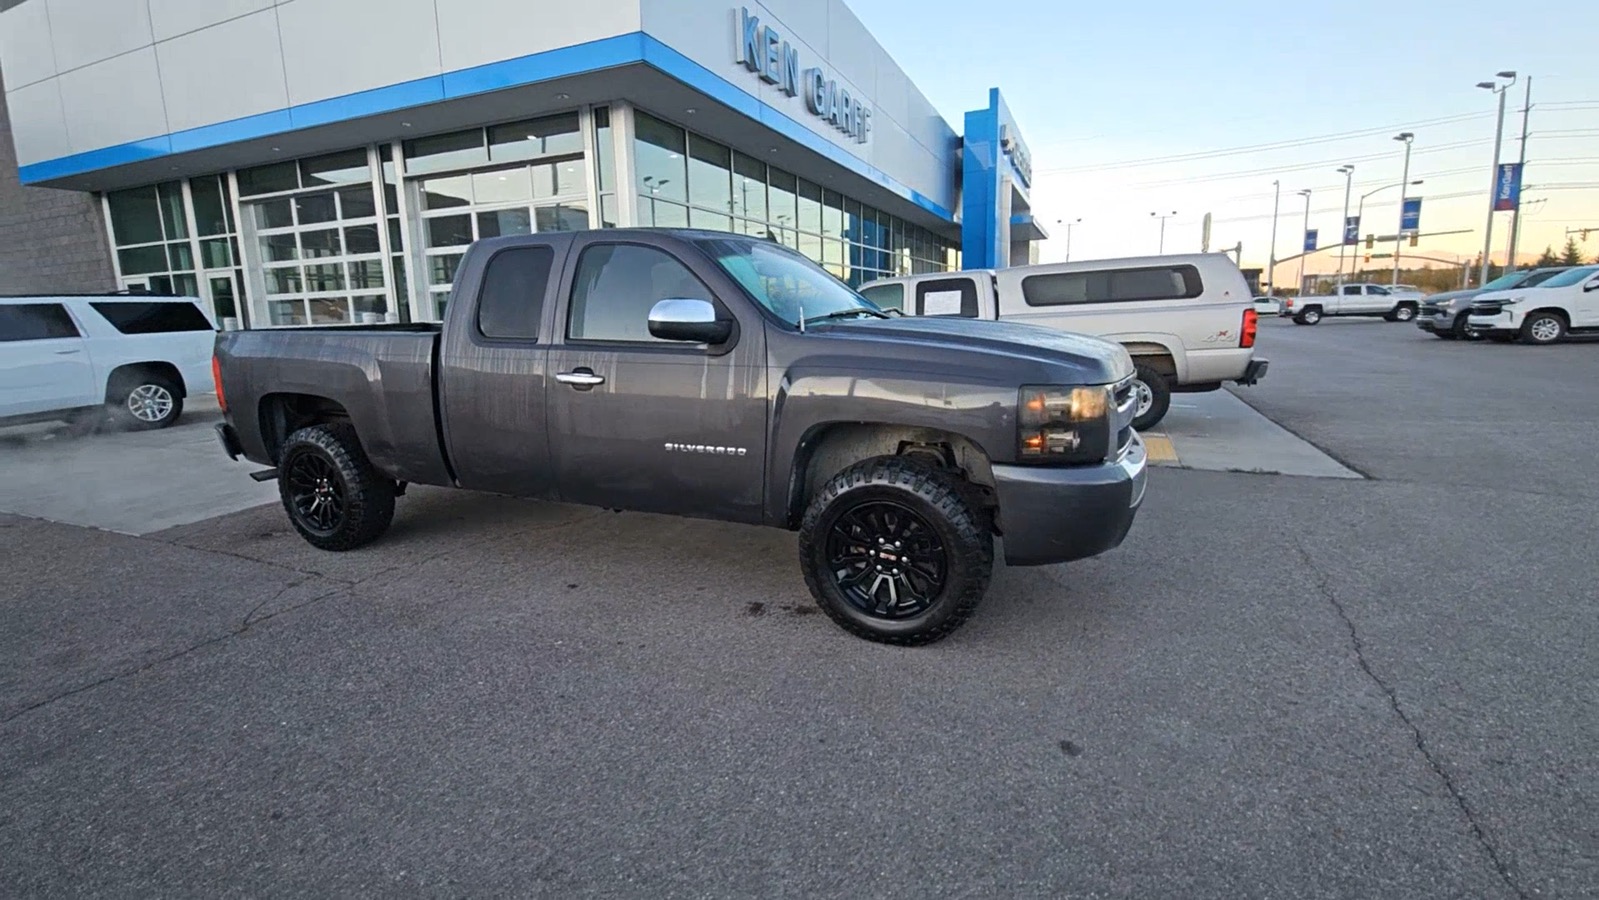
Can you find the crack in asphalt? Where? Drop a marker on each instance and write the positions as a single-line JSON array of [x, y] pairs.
[[1420, 739], [248, 624]]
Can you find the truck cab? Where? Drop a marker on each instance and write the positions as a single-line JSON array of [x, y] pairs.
[[1393, 303]]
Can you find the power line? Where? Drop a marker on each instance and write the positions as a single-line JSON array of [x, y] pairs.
[[1259, 148], [1300, 167]]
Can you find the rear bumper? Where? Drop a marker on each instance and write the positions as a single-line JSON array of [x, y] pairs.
[[230, 440], [1255, 371], [1056, 515]]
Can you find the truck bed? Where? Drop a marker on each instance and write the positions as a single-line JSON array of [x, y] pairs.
[[381, 375]]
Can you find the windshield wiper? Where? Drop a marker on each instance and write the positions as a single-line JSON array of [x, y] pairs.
[[842, 313]]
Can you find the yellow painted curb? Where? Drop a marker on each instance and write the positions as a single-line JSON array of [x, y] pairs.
[[1160, 449]]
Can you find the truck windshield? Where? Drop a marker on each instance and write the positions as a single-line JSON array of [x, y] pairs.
[[1571, 277], [785, 282]]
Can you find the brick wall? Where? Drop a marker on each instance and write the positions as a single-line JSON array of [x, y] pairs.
[[51, 241]]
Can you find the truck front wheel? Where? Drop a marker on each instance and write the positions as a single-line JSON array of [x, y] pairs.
[[894, 550], [333, 494]]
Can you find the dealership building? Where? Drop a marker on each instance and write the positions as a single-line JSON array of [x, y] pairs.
[[326, 161]]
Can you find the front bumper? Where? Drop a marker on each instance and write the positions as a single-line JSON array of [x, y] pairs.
[[1439, 323], [1503, 322], [1054, 515]]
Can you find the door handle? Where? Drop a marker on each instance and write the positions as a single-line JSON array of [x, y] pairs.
[[67, 352], [582, 378]]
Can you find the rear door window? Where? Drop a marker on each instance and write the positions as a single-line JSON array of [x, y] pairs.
[[947, 297], [1112, 286], [512, 300], [152, 317], [35, 322]]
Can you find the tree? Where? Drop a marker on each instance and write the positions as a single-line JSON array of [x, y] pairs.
[[1573, 254], [1548, 259]]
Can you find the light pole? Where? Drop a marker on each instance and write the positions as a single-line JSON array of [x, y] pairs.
[[1077, 221], [1271, 265], [1163, 218], [1304, 250], [1399, 232], [1493, 179], [1515, 214], [1348, 171], [1360, 208]]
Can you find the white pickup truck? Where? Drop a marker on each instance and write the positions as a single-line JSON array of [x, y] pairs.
[[1188, 321], [136, 356], [1397, 303]]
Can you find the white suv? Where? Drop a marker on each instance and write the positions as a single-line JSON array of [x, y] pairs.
[[136, 355], [1544, 314]]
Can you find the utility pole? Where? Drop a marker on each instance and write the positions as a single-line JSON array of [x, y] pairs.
[[1404, 188], [1343, 226], [1163, 219], [1303, 249], [1271, 267], [1493, 176], [1069, 225], [1515, 214]]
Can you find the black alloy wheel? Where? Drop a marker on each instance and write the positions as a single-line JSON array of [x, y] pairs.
[[887, 560], [316, 492]]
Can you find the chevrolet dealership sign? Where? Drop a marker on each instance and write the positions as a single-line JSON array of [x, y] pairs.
[[763, 51]]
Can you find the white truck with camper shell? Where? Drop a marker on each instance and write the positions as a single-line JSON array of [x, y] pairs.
[[134, 356], [1395, 303], [1188, 321]]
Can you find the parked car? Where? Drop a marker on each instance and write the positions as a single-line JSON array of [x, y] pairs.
[[1268, 306], [711, 375], [1188, 321], [1386, 301], [136, 356], [1446, 314], [1566, 304]]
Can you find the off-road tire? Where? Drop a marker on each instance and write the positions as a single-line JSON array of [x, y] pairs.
[[143, 389], [1542, 328], [1310, 315], [939, 498], [1160, 398], [367, 494]]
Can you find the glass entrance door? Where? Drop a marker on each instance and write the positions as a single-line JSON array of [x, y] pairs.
[[461, 208]]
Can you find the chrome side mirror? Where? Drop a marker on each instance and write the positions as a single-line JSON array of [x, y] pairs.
[[693, 321]]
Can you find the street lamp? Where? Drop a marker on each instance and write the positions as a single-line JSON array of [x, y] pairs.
[[1077, 221], [1271, 265], [1304, 250], [1348, 171], [1404, 178], [1493, 179], [1163, 218], [1360, 208]]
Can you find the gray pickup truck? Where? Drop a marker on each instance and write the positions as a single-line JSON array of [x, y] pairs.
[[717, 376]]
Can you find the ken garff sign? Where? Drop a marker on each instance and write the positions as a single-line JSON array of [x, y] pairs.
[[762, 50], [1507, 187]]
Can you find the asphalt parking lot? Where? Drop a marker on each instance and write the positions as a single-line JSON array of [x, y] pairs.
[[1280, 686]]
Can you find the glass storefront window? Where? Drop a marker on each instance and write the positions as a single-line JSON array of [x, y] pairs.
[[269, 179], [274, 213], [659, 159], [135, 216], [563, 217], [503, 186], [447, 192], [710, 167], [504, 222], [810, 208], [347, 167], [213, 208], [362, 239], [457, 150], [549, 136], [143, 260], [749, 187], [832, 214], [173, 221], [784, 212], [699, 218], [559, 179]]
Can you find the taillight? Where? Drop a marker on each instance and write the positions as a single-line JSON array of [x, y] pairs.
[[1251, 325], [216, 377]]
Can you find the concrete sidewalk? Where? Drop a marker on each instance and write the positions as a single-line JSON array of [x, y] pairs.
[[1219, 432], [130, 482]]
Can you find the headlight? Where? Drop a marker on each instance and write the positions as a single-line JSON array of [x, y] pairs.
[[1063, 425]]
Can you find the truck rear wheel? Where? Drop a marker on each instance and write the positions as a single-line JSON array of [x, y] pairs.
[[1310, 315], [1154, 398], [333, 494], [895, 551]]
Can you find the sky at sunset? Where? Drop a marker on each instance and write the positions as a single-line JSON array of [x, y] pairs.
[[1098, 89]]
